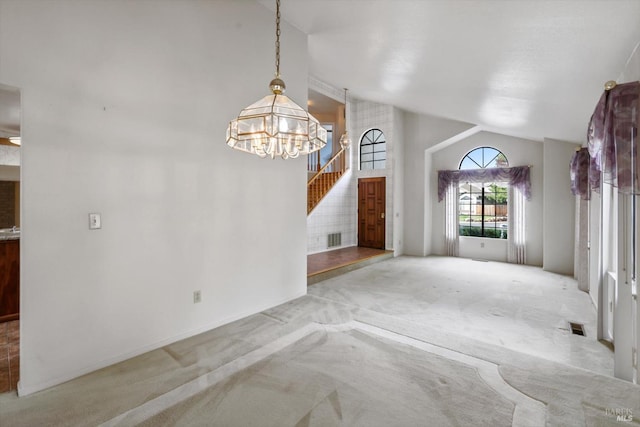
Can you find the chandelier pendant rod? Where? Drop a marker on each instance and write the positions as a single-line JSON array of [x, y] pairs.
[[278, 39]]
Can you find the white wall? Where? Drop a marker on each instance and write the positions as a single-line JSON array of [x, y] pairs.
[[398, 181], [595, 272], [559, 207], [631, 71], [519, 152], [483, 248], [125, 106], [421, 132], [369, 115], [337, 212], [581, 244]]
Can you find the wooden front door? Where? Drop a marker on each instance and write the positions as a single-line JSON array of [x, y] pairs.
[[371, 212]]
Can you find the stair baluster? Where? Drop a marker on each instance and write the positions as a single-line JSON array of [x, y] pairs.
[[325, 178]]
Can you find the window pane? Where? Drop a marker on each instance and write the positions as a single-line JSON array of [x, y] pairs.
[[467, 163], [367, 149], [476, 157], [326, 152], [379, 164], [488, 156], [366, 166], [483, 210], [366, 157], [492, 163], [380, 147]]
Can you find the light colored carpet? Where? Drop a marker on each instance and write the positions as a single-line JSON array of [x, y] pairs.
[[435, 361], [518, 307], [336, 378]]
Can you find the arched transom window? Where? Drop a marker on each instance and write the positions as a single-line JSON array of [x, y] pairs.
[[484, 157], [373, 150]]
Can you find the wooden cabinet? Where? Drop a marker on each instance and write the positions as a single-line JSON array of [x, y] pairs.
[[9, 280]]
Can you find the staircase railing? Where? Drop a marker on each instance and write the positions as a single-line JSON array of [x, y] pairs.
[[324, 179], [314, 162], [336, 164]]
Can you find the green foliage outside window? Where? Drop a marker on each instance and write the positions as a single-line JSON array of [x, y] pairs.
[[475, 231], [497, 196]]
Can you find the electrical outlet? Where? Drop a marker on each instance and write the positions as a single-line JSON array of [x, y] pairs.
[[197, 297], [482, 245]]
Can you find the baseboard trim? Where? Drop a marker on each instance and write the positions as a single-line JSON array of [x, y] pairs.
[[34, 388]]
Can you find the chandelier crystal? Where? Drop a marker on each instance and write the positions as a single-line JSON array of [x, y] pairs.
[[275, 126]]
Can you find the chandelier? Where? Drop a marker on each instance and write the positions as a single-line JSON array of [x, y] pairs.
[[275, 125], [345, 140]]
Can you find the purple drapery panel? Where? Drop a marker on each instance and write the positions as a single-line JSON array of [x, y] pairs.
[[518, 177], [595, 133], [580, 173], [620, 151], [613, 137], [595, 140]]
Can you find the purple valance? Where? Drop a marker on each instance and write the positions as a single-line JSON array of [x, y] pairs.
[[579, 172], [518, 177], [613, 137]]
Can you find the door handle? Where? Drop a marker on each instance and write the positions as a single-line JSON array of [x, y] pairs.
[[382, 215]]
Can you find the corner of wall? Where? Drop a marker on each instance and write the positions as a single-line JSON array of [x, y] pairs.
[[422, 134], [559, 207]]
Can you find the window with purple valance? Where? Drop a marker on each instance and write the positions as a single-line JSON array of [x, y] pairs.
[[518, 177], [613, 137]]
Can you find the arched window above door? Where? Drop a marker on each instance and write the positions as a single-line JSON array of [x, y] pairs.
[[373, 150]]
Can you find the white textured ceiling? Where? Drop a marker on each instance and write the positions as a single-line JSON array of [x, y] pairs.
[[530, 68]]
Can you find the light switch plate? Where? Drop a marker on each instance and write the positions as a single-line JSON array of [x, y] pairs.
[[95, 222]]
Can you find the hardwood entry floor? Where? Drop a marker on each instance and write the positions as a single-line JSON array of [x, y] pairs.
[[331, 260], [9, 355]]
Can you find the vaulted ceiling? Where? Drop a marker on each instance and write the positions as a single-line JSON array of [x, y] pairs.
[[530, 68]]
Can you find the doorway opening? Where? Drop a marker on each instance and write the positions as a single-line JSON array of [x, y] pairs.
[[10, 143]]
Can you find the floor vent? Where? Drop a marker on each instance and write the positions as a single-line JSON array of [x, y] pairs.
[[577, 328], [334, 239], [479, 260]]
